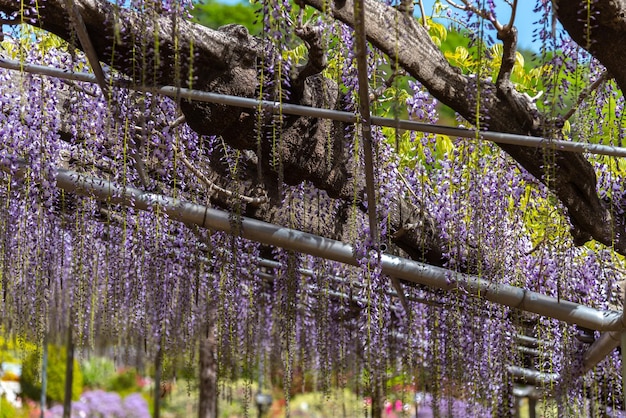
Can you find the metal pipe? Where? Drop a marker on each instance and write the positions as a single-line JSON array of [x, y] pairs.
[[343, 295], [365, 119], [526, 392], [601, 348], [533, 376], [532, 351], [604, 345], [266, 233], [314, 290], [525, 339], [264, 262], [594, 354], [410, 270], [348, 117]]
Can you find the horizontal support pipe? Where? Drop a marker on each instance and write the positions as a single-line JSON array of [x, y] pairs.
[[315, 291], [347, 296], [533, 376], [529, 341], [342, 280], [601, 348], [532, 351], [604, 345], [423, 274], [526, 392], [342, 116], [405, 269]]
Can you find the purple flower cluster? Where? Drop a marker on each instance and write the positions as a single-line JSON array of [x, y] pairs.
[[152, 285], [426, 407], [106, 405]]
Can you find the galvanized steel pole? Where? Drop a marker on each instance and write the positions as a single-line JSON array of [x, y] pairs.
[[342, 116], [409, 270]]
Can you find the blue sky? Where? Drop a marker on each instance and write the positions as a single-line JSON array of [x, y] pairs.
[[524, 19]]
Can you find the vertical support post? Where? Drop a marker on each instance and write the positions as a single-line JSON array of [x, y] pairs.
[[532, 407], [364, 110], [377, 398], [158, 366], [516, 406], [44, 376], [263, 400], [623, 347], [261, 376], [69, 372], [207, 398], [623, 342]]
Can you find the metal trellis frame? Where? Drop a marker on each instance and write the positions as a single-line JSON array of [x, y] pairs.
[[316, 112], [613, 322], [405, 269]]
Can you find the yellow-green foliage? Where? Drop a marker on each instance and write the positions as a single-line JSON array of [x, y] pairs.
[[97, 372], [6, 409], [214, 14], [467, 59], [55, 386], [124, 382], [438, 32], [295, 55], [13, 349], [44, 42]]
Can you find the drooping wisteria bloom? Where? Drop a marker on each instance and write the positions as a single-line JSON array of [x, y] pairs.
[[144, 285]]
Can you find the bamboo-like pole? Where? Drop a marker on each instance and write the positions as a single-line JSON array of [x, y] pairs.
[[532, 376], [601, 348], [604, 345], [69, 370], [365, 116], [348, 117], [405, 269], [158, 369], [44, 377]]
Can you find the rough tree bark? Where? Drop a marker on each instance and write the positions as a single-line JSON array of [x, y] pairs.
[[574, 180], [225, 61], [607, 20]]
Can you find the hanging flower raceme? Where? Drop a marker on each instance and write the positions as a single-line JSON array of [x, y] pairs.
[[141, 281]]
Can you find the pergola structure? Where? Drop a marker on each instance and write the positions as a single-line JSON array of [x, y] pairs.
[[611, 323]]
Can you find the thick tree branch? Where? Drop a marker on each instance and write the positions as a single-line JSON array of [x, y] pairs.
[[468, 6], [509, 49], [223, 61], [210, 185], [513, 12], [571, 176], [316, 63], [600, 34], [226, 62]]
